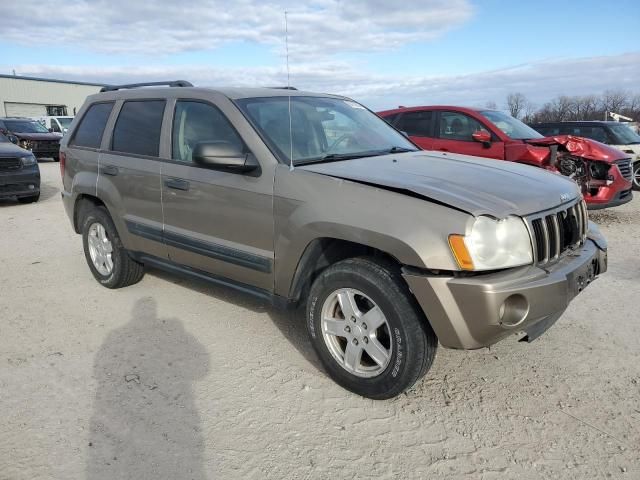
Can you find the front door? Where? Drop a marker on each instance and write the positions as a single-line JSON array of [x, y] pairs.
[[215, 221], [454, 132]]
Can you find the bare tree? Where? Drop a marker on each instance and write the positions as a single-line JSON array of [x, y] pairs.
[[614, 101], [516, 103], [491, 105]]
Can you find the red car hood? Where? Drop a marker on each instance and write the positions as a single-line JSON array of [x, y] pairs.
[[37, 136], [581, 147]]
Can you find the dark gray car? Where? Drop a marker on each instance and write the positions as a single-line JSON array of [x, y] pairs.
[[311, 199], [19, 173]]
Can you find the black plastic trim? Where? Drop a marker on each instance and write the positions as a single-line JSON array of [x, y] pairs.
[[218, 252]]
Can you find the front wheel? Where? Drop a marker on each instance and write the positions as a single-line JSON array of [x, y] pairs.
[[636, 175], [31, 199], [367, 328]]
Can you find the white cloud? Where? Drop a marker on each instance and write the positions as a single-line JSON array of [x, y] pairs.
[[539, 81], [318, 28]]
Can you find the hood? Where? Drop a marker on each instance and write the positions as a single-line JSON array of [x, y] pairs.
[[37, 136], [581, 147], [8, 149], [471, 184]]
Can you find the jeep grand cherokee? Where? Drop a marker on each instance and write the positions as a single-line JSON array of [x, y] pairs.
[[304, 198]]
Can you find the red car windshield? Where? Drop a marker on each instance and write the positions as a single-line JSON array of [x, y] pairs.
[[512, 127]]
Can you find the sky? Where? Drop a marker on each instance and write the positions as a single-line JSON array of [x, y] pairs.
[[461, 52]]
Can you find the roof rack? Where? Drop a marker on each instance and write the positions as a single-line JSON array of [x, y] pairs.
[[172, 83], [284, 88]]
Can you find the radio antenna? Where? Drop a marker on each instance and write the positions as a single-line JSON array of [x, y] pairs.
[[286, 44]]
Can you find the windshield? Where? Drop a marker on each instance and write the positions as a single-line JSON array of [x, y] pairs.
[[623, 134], [512, 127], [321, 128], [25, 126], [64, 122]]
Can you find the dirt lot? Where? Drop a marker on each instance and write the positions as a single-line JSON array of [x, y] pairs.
[[179, 380]]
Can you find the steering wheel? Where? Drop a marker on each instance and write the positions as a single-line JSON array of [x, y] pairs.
[[339, 140]]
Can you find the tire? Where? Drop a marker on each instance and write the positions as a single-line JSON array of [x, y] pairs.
[[31, 199], [636, 175], [124, 270], [406, 336]]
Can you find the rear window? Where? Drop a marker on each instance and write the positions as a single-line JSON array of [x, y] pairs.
[[137, 129], [89, 132]]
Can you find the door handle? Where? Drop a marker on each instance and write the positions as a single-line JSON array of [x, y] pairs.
[[111, 170], [177, 184]]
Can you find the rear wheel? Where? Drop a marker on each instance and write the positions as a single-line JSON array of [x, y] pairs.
[[367, 328], [636, 175], [107, 258]]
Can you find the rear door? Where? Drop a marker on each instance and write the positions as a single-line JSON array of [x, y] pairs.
[[216, 221], [129, 174], [418, 125]]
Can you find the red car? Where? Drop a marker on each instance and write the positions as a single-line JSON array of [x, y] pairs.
[[603, 172]]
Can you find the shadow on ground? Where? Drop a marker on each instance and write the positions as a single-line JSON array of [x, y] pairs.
[[145, 423], [289, 322]]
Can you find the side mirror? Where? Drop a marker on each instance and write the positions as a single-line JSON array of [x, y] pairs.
[[13, 139], [483, 137], [50, 130], [223, 156]]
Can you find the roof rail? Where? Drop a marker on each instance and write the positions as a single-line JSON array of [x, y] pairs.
[[171, 83], [284, 88]]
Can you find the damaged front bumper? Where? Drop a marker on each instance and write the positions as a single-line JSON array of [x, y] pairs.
[[478, 311]]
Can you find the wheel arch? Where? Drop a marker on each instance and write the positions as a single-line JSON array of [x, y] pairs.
[[323, 252]]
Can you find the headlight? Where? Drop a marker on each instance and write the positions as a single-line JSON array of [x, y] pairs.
[[493, 244], [28, 160]]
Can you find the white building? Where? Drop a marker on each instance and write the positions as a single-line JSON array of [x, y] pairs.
[[39, 97]]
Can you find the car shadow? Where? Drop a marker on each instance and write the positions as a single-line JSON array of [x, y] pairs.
[[290, 322], [145, 423]]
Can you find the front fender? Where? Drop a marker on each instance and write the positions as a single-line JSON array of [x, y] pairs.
[[308, 206]]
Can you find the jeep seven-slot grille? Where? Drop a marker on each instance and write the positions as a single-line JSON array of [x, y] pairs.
[[625, 168], [8, 164], [553, 233]]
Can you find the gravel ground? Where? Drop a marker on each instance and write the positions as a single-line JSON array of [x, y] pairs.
[[175, 379]]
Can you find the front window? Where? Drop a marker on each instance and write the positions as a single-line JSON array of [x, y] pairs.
[[321, 128], [25, 126], [512, 127], [624, 135]]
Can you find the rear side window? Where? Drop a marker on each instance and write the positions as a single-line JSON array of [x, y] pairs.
[[548, 130], [137, 129], [89, 132], [594, 132], [416, 124]]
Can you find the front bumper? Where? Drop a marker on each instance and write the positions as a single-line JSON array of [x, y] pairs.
[[618, 192], [21, 183], [465, 312]]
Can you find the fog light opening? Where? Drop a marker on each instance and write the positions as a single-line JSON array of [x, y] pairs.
[[514, 310]]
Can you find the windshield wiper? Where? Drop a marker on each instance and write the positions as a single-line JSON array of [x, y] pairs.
[[400, 150], [336, 157]]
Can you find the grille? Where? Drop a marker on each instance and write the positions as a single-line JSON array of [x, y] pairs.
[[625, 168], [8, 164], [555, 232]]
